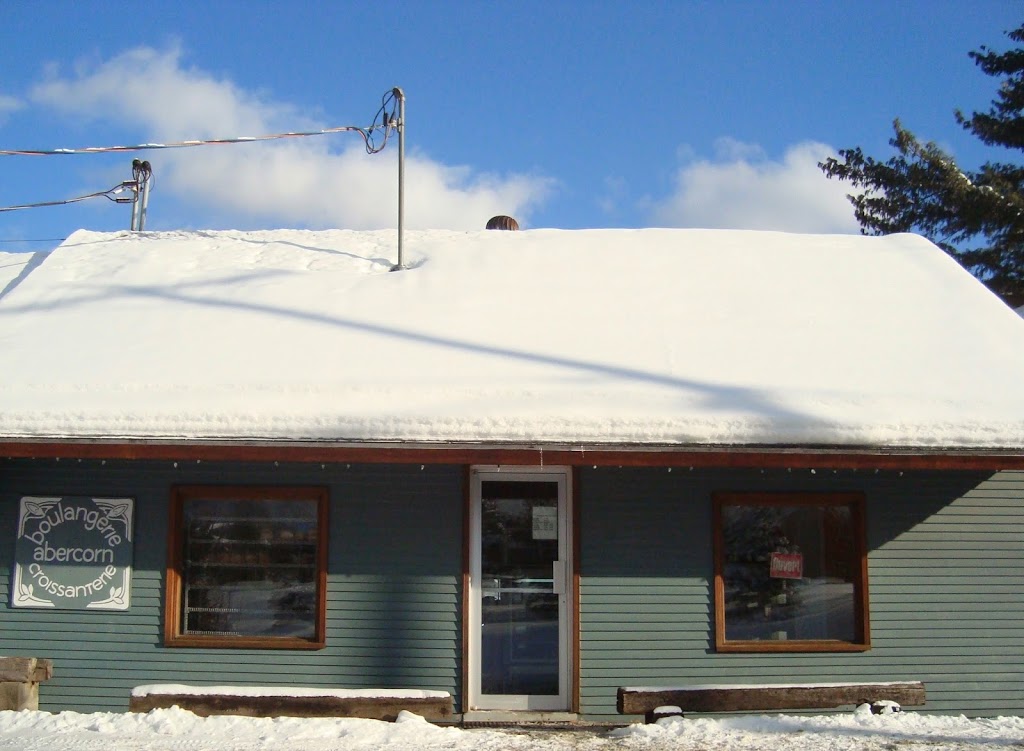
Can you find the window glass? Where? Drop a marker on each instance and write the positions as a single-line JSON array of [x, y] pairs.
[[249, 564], [790, 569]]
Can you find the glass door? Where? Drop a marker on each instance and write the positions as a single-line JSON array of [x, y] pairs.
[[518, 584]]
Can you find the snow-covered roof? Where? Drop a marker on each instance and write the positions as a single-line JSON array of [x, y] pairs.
[[679, 337]]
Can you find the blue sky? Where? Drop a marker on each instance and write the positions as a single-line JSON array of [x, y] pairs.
[[563, 114]]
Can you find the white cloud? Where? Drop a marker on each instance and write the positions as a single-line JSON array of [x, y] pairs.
[[9, 104], [741, 188], [327, 181]]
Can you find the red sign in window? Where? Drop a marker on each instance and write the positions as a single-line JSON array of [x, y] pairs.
[[787, 566]]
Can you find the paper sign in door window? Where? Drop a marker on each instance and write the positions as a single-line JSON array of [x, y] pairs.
[[545, 523]]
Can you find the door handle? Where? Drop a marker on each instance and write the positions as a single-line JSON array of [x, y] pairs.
[[558, 577]]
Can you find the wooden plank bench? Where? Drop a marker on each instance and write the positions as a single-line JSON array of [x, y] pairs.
[[768, 697], [250, 701], [19, 681]]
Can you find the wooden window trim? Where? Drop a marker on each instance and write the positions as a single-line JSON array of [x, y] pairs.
[[172, 603], [855, 501]]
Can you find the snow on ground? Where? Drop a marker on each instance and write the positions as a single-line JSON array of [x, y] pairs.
[[177, 730]]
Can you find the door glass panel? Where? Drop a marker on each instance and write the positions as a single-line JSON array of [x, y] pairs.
[[519, 607]]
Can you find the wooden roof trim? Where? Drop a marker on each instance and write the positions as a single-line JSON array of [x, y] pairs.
[[619, 456]]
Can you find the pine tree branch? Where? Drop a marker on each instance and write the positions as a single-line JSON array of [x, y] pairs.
[[977, 217]]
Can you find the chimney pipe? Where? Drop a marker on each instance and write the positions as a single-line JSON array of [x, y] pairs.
[[502, 222]]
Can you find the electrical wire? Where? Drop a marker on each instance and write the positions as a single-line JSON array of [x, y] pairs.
[[388, 123], [172, 145], [110, 194], [384, 120]]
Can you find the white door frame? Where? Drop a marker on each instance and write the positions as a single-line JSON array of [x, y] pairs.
[[563, 577]]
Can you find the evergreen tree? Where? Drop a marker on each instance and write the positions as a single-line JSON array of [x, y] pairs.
[[977, 217]]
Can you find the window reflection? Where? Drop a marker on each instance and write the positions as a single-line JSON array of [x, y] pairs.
[[790, 570], [249, 564]]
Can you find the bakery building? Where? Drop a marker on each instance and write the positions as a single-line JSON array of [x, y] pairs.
[[528, 469]]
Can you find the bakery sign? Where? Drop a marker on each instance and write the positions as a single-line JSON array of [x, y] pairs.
[[786, 566], [73, 553]]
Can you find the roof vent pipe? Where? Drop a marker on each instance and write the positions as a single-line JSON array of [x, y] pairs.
[[502, 222]]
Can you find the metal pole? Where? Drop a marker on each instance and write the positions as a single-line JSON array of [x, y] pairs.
[[400, 127], [145, 200], [135, 206]]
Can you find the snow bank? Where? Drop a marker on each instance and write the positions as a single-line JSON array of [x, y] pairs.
[[177, 730], [858, 731]]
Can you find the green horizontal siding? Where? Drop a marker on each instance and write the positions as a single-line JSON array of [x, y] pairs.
[[946, 569], [945, 566], [394, 584]]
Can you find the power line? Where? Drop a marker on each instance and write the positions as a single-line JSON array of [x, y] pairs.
[[14, 240], [387, 124], [110, 194], [142, 173], [390, 118], [176, 144]]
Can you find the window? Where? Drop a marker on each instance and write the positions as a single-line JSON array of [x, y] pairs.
[[790, 573], [247, 567]]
